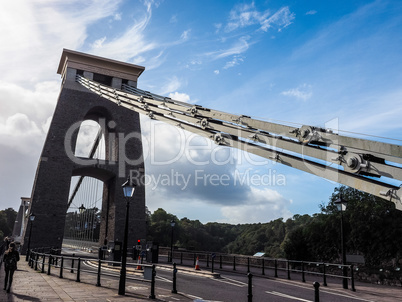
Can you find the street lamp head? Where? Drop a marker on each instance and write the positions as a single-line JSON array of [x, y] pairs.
[[341, 203], [128, 188], [81, 208], [32, 217], [172, 223]]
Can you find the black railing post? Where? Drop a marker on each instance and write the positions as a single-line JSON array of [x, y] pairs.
[[303, 276], [220, 261], [213, 261], [78, 270], [352, 278], [316, 292], [276, 268], [207, 260], [98, 283], [174, 290], [263, 266], [36, 262], [248, 264], [181, 258], [234, 263], [288, 268], [250, 287], [324, 274], [152, 295], [72, 264], [61, 267], [49, 264], [345, 276], [195, 258], [43, 263]]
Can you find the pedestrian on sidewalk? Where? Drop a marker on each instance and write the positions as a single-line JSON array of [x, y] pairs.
[[10, 259]]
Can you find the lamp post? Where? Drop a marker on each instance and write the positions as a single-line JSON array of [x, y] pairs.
[[81, 226], [31, 218], [341, 205], [172, 223], [128, 191]]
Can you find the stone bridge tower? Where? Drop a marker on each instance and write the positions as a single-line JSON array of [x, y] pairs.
[[57, 164]]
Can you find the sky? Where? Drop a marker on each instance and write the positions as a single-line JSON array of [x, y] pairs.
[[322, 63]]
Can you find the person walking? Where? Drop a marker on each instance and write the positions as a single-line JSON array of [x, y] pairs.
[[10, 259]]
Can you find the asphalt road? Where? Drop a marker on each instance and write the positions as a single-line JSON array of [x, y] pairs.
[[231, 286]]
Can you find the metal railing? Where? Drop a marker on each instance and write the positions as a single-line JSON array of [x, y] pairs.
[[52, 262], [262, 264]]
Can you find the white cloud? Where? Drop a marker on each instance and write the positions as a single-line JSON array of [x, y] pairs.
[[41, 28], [303, 92], [182, 97], [239, 47], [311, 12], [279, 20], [247, 15], [235, 61], [173, 19], [216, 71], [20, 133], [130, 44], [261, 205], [98, 43], [172, 84], [185, 35]]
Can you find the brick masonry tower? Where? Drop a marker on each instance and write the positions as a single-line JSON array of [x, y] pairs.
[[57, 164]]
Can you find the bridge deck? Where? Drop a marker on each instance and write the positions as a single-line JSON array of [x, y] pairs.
[[31, 285]]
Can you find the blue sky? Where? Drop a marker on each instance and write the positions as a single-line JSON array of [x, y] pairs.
[[332, 63]]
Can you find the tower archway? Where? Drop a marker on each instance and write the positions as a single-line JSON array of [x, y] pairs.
[[59, 163]]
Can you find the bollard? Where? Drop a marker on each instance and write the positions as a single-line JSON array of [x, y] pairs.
[[61, 267], [234, 263], [303, 276], [98, 283], [207, 260], [72, 264], [263, 267], [324, 275], [49, 265], [352, 280], [220, 261], [152, 295], [43, 263], [213, 260], [250, 287], [36, 261], [181, 258], [316, 292], [288, 265], [78, 270], [248, 264], [174, 290], [276, 268]]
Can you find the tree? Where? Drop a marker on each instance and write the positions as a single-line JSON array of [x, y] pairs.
[[7, 220]]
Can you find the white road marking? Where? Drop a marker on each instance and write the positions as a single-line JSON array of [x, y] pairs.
[[288, 296], [231, 282], [164, 279]]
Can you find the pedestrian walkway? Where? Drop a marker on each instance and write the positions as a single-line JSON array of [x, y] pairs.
[[31, 285]]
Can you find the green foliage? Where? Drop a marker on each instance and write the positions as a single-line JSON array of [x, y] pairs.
[[371, 228], [7, 219]]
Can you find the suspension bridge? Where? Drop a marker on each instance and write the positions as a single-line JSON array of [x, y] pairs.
[[94, 142]]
